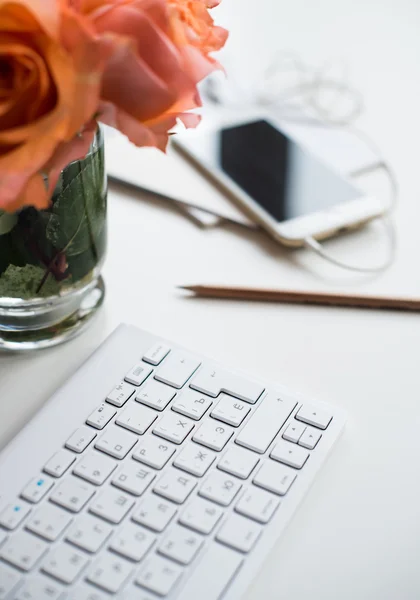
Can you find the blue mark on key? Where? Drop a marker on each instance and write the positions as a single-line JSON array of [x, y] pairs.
[[40, 482], [16, 508]]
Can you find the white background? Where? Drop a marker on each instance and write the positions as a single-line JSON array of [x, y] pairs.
[[357, 534]]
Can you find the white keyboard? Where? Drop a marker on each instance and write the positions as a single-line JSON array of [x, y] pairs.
[[154, 473]]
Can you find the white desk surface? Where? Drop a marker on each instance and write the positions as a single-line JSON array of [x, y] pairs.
[[357, 533]]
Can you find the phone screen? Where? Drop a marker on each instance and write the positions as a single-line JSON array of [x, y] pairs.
[[276, 172]]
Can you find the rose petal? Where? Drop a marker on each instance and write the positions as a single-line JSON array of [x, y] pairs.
[[152, 45], [31, 87], [68, 152], [131, 84], [89, 55], [19, 192], [160, 130], [35, 194], [190, 120], [197, 65], [136, 132], [14, 182], [89, 6], [157, 10], [54, 125], [45, 14]]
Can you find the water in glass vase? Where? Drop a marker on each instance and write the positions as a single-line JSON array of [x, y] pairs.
[[50, 260]]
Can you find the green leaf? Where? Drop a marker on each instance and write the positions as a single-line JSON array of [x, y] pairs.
[[81, 265], [23, 282], [52, 228], [78, 214]]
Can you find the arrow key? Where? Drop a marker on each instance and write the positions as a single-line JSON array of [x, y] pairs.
[[289, 454], [294, 432], [310, 438], [314, 416]]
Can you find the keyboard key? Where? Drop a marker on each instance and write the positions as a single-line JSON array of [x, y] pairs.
[[275, 478], [154, 513], [88, 533], [238, 462], [101, 416], [194, 460], [116, 442], [120, 394], [95, 467], [212, 381], [220, 488], [215, 581], [72, 495], [154, 452], [200, 515], [59, 463], [8, 581], [314, 416], [138, 374], [213, 435], [173, 427], [156, 354], [49, 522], [133, 478], [159, 575], [177, 368], [136, 418], [191, 404], [155, 394], [289, 454], [229, 410], [86, 592], [181, 545], [266, 422], [257, 504], [80, 439], [239, 533], [3, 537], [111, 506], [109, 573], [310, 438], [175, 486], [132, 542], [37, 488], [14, 514], [294, 431], [64, 563], [23, 550], [39, 588]]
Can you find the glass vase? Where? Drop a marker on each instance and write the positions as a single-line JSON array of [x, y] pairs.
[[50, 260]]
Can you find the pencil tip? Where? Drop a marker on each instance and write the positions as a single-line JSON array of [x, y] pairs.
[[185, 287]]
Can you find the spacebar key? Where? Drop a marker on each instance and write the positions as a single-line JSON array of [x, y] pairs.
[[213, 574], [266, 422]]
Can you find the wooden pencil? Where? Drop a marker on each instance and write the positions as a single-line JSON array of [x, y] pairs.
[[304, 297]]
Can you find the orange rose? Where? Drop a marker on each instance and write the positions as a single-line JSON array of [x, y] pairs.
[[196, 35], [50, 77], [159, 52]]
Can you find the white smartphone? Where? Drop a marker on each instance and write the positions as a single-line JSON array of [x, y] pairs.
[[280, 184]]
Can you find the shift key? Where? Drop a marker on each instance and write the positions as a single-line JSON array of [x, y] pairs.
[[266, 422]]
